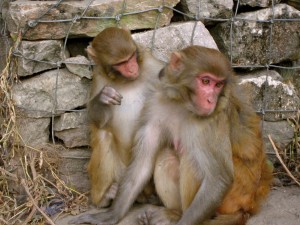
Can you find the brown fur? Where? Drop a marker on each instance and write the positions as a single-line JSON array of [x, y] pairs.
[[252, 174], [112, 126]]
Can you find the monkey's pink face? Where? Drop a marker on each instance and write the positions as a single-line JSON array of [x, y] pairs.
[[207, 90], [129, 67]]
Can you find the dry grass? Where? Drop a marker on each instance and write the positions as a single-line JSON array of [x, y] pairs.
[[31, 191], [289, 157]]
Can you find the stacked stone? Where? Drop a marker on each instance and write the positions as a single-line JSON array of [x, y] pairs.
[[55, 73]]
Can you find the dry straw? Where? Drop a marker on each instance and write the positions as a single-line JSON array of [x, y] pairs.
[[30, 185]]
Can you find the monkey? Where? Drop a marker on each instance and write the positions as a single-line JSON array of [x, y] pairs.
[[196, 122], [122, 69], [252, 172]]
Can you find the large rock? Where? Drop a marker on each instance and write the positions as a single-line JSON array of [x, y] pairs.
[[72, 129], [258, 3], [281, 133], [165, 40], [33, 132], [73, 168], [296, 80], [80, 66], [251, 38], [98, 15], [54, 91], [271, 95], [5, 41], [70, 120], [75, 137], [37, 56], [208, 8]]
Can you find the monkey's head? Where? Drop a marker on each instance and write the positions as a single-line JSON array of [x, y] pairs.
[[116, 52], [199, 77]]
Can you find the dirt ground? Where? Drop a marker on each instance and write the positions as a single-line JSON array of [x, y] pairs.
[[281, 208]]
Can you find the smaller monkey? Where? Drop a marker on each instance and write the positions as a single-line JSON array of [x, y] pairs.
[[121, 74]]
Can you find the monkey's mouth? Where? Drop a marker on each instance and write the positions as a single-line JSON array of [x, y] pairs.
[[203, 106]]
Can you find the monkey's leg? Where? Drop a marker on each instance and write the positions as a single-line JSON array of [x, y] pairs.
[[189, 184], [103, 167], [166, 179], [265, 180]]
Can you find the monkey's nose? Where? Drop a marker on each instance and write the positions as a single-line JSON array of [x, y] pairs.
[[210, 100]]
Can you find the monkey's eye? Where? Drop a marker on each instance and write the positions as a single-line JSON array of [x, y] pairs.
[[205, 81], [119, 64], [220, 84], [134, 55]]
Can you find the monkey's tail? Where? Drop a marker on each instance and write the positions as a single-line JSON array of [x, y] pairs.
[[238, 218]]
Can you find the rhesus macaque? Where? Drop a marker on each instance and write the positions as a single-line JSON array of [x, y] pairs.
[[122, 70], [252, 174], [201, 141]]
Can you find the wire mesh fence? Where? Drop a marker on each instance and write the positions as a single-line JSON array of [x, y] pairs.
[[118, 18]]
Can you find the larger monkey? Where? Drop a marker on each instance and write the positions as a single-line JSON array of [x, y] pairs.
[[252, 172], [197, 124], [120, 75]]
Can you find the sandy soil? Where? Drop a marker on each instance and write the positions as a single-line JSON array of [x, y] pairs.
[[281, 208]]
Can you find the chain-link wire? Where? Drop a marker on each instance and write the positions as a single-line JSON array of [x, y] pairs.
[[197, 17]]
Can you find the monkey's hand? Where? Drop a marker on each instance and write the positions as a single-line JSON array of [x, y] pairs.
[[109, 195], [100, 218], [109, 96]]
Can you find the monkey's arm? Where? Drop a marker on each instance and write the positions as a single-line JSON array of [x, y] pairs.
[[140, 170], [216, 169], [99, 107], [136, 177]]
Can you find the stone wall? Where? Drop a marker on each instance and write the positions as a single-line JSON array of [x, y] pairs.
[[54, 72]]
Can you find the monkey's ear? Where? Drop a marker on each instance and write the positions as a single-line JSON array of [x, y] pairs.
[[176, 64], [90, 50], [126, 29]]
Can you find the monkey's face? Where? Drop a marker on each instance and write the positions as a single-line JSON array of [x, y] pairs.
[[206, 90], [198, 77], [128, 67]]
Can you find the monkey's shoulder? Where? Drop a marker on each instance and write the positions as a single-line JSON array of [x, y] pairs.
[[151, 66]]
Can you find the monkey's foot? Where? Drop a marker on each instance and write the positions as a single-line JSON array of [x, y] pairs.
[[109, 196], [143, 219], [158, 216]]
